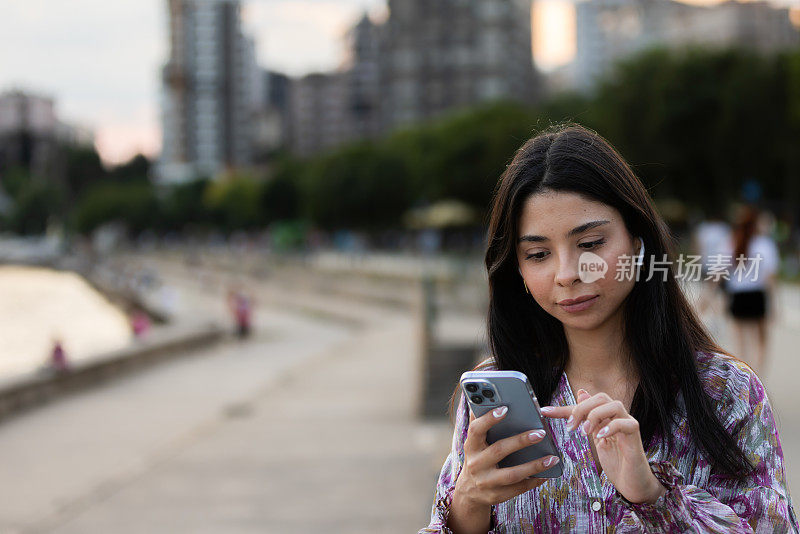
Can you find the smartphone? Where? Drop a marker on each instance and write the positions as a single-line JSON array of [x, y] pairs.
[[486, 390]]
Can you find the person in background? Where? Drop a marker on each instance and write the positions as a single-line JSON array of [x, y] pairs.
[[711, 238], [241, 308], [58, 357], [140, 323], [751, 284]]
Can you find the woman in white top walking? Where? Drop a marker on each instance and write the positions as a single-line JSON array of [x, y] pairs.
[[751, 284]]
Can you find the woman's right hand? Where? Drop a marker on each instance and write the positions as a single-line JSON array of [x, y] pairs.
[[481, 483]]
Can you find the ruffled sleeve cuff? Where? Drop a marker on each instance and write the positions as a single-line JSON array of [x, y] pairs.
[[443, 509], [443, 512], [670, 509]]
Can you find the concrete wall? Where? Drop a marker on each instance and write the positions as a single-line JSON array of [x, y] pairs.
[[37, 389]]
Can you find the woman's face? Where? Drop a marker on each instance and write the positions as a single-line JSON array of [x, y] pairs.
[[555, 230]]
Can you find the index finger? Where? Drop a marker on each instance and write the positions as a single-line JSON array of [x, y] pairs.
[[557, 412], [479, 426]]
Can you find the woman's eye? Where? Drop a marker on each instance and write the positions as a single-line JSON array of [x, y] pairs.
[[540, 256], [592, 244], [537, 256]]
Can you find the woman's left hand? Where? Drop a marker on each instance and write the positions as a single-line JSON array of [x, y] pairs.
[[617, 441]]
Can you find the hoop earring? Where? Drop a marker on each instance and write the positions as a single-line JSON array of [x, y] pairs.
[[526, 287]]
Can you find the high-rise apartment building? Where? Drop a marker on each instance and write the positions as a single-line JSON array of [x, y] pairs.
[[363, 79], [31, 135], [610, 30], [319, 112], [428, 58], [210, 91], [442, 55], [272, 125]]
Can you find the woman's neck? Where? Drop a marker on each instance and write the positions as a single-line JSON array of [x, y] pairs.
[[599, 358]]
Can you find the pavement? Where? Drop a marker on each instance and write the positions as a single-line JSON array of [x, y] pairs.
[[306, 427]]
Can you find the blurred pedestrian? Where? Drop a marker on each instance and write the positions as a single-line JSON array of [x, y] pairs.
[[140, 323], [58, 357], [751, 285], [241, 308], [712, 239]]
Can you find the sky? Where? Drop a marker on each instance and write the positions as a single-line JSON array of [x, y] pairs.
[[99, 59]]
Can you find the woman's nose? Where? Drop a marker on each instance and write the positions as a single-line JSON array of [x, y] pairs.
[[567, 273]]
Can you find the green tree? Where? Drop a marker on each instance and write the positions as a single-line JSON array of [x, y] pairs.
[[233, 202], [182, 206], [35, 206], [137, 169], [360, 186], [473, 148], [134, 205], [280, 194], [696, 123], [82, 169], [14, 180]]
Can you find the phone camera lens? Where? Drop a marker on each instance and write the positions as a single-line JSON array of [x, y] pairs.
[[472, 388], [488, 393], [477, 399]]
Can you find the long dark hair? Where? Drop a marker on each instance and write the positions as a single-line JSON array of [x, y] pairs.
[[662, 331], [744, 231]]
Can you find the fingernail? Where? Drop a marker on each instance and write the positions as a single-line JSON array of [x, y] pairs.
[[603, 432], [569, 422], [585, 428], [553, 460], [547, 409], [536, 435], [500, 412]]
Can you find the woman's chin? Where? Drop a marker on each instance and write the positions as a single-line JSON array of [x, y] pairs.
[[584, 321], [581, 325]]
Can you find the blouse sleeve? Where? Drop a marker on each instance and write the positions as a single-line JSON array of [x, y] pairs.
[[443, 495], [758, 503]]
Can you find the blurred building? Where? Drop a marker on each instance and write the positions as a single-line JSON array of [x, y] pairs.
[[610, 30], [31, 133], [272, 120], [427, 59], [319, 111], [439, 56], [363, 79], [211, 91]]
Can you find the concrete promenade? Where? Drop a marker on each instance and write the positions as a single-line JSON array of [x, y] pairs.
[[305, 427]]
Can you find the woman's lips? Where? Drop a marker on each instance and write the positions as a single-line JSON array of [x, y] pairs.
[[580, 306]]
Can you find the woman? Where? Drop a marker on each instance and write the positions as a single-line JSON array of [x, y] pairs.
[[751, 284], [675, 434]]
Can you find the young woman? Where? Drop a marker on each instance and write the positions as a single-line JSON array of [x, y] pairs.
[[751, 285], [659, 429]]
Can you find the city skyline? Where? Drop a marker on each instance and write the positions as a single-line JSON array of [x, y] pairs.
[[106, 76]]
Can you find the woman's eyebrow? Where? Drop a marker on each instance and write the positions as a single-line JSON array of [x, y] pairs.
[[575, 231]]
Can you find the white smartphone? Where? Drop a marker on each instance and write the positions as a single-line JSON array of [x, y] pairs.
[[486, 390]]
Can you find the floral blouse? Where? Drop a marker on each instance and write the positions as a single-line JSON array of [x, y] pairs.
[[697, 498]]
